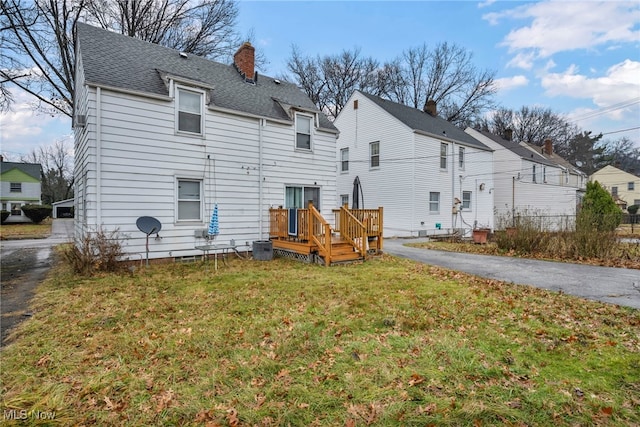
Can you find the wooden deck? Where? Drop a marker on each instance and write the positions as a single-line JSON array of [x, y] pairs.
[[356, 233]]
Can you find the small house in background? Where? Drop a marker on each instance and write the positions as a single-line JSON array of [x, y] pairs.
[[623, 186], [169, 135], [21, 185], [532, 182], [429, 176], [62, 209]]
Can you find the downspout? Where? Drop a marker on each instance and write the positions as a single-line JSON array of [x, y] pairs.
[[261, 123], [453, 186], [98, 156]]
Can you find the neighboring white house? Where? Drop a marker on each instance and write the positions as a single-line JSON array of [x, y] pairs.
[[20, 185], [170, 135], [623, 186], [532, 181], [428, 175]]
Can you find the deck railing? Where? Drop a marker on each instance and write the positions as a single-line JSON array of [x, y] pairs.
[[372, 219], [320, 232], [353, 231]]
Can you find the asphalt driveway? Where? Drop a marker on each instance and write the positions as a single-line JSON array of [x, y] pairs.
[[606, 284]]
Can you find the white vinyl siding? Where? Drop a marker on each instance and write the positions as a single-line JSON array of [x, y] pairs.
[[303, 131], [189, 112]]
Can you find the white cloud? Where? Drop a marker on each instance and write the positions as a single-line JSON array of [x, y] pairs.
[[486, 3], [522, 60], [22, 129], [507, 83], [559, 26], [619, 87]]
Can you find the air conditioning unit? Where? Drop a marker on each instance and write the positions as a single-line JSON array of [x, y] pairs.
[[81, 120]]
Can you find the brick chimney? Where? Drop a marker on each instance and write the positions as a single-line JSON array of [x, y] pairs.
[[244, 60], [508, 134], [430, 107], [548, 147]]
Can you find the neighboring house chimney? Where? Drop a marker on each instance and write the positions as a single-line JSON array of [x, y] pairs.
[[244, 60], [508, 134], [548, 147], [431, 108]]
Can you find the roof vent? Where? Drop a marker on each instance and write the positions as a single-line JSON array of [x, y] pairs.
[[276, 81], [183, 55]]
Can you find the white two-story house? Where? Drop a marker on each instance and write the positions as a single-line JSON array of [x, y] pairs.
[[170, 135], [429, 176]]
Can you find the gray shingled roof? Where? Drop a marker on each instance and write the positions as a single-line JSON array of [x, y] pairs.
[[115, 60], [519, 150], [557, 160], [418, 120], [31, 169]]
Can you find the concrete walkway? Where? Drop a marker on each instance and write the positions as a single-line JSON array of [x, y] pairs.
[[606, 284]]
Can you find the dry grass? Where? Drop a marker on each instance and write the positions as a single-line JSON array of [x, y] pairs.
[[387, 342], [26, 231]]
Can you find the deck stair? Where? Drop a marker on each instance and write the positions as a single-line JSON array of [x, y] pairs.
[[312, 238]]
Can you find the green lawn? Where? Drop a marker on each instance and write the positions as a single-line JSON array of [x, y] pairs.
[[387, 342]]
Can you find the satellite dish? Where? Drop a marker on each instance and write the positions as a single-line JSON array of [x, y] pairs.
[[579, 164], [148, 225]]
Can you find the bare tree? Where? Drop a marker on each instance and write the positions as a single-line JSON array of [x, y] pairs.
[[445, 74], [531, 125], [38, 37], [330, 80], [57, 170]]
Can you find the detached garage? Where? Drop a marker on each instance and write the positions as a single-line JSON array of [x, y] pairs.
[[63, 209]]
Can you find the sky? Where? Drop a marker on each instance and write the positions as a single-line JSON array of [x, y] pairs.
[[581, 59]]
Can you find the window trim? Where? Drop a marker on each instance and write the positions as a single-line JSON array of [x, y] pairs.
[[468, 201], [311, 127], [461, 158], [178, 180], [372, 156], [444, 151], [631, 185], [15, 187], [534, 179], [431, 202], [344, 164], [304, 201], [178, 89]]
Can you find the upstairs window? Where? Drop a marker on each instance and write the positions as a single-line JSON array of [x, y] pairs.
[[374, 154], [189, 111], [614, 191], [303, 131], [466, 200], [443, 156], [461, 157], [344, 160], [534, 174], [15, 187], [631, 186], [189, 200]]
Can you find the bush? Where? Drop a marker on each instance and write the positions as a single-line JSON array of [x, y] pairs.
[[633, 209], [5, 215], [37, 213], [96, 252], [599, 211]]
